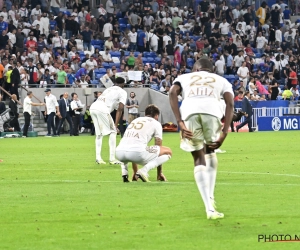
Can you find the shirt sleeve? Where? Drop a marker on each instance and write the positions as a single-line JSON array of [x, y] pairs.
[[158, 131], [123, 97], [227, 87]]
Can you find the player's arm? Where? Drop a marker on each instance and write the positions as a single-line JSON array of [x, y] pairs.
[[119, 114], [173, 98], [228, 98]]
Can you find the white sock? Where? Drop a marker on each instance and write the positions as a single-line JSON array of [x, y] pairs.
[[155, 163], [211, 167], [202, 181], [98, 143], [124, 169], [112, 146]]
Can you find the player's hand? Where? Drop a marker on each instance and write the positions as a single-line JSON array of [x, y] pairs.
[[118, 131], [218, 143], [184, 131], [161, 177]]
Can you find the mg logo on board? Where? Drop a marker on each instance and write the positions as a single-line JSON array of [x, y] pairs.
[[276, 124]]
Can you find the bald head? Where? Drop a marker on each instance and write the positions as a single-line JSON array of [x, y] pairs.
[[203, 64], [14, 97]]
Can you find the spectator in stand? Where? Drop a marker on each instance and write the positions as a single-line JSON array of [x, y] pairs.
[[293, 79], [87, 36], [219, 66], [261, 42], [287, 94], [107, 30], [243, 73]]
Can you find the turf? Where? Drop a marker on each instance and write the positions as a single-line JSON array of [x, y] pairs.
[[53, 196]]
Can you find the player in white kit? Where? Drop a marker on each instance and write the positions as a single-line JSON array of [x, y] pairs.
[[199, 119], [113, 98], [134, 147]]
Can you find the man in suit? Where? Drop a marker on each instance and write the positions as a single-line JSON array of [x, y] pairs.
[[64, 108], [15, 80], [247, 108], [14, 113]]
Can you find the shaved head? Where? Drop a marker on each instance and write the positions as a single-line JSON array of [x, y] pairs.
[[203, 64]]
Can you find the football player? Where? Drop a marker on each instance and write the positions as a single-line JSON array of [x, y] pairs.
[[199, 119]]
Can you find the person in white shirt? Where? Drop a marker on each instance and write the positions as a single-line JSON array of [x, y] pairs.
[[166, 39], [153, 38], [4, 14], [27, 104], [101, 10], [238, 60], [107, 30], [224, 27], [110, 7], [132, 35], [236, 12], [91, 63], [219, 66], [34, 55], [38, 22], [81, 16], [278, 36], [243, 73], [45, 56], [112, 98], [199, 119], [35, 13], [76, 107], [174, 8], [12, 37], [44, 26], [133, 147], [167, 19], [261, 43], [12, 13], [106, 56], [83, 83], [50, 109]]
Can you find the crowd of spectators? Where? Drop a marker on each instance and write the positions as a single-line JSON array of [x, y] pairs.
[[255, 49]]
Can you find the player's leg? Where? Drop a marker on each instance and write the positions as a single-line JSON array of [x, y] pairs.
[[134, 169], [98, 141], [112, 142], [211, 129], [154, 156]]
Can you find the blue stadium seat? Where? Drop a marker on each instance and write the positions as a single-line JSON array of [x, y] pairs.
[[102, 71], [123, 27], [152, 54], [254, 50], [188, 71], [136, 53], [190, 63], [258, 55], [96, 42], [146, 54], [117, 65], [66, 12], [106, 65], [115, 53], [153, 65], [123, 21], [95, 82], [128, 26], [126, 53], [145, 60], [97, 47], [157, 59], [150, 60], [196, 38]]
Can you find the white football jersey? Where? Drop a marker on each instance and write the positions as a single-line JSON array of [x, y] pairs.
[[201, 93], [139, 133], [110, 99]]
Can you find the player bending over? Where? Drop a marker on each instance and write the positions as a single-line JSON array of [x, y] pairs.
[[199, 120], [113, 98], [134, 147]]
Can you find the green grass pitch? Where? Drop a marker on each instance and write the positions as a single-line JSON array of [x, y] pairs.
[[53, 196]]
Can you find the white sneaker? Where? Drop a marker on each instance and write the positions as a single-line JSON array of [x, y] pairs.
[[100, 161], [213, 215], [82, 129], [115, 162], [220, 151]]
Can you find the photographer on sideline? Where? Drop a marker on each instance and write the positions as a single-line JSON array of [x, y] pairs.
[[76, 107], [132, 104]]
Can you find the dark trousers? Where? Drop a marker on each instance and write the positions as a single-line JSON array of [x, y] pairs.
[[76, 122], [229, 71], [7, 87], [248, 120], [15, 123], [61, 122], [50, 123], [14, 90], [27, 123]]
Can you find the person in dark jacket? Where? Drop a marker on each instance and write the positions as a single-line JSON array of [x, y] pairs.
[[15, 80], [13, 105], [64, 108], [247, 108]]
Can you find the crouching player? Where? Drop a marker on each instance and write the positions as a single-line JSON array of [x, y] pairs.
[[134, 147]]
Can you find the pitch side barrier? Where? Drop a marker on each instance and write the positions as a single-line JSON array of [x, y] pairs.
[[275, 119]]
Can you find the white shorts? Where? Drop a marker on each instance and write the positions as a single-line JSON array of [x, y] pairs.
[[141, 158], [206, 129], [104, 124]]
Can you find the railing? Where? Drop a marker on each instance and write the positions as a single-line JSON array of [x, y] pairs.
[[272, 112]]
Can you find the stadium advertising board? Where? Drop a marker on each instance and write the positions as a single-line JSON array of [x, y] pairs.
[[278, 123]]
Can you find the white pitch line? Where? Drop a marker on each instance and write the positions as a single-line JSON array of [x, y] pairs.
[[154, 182], [170, 171]]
